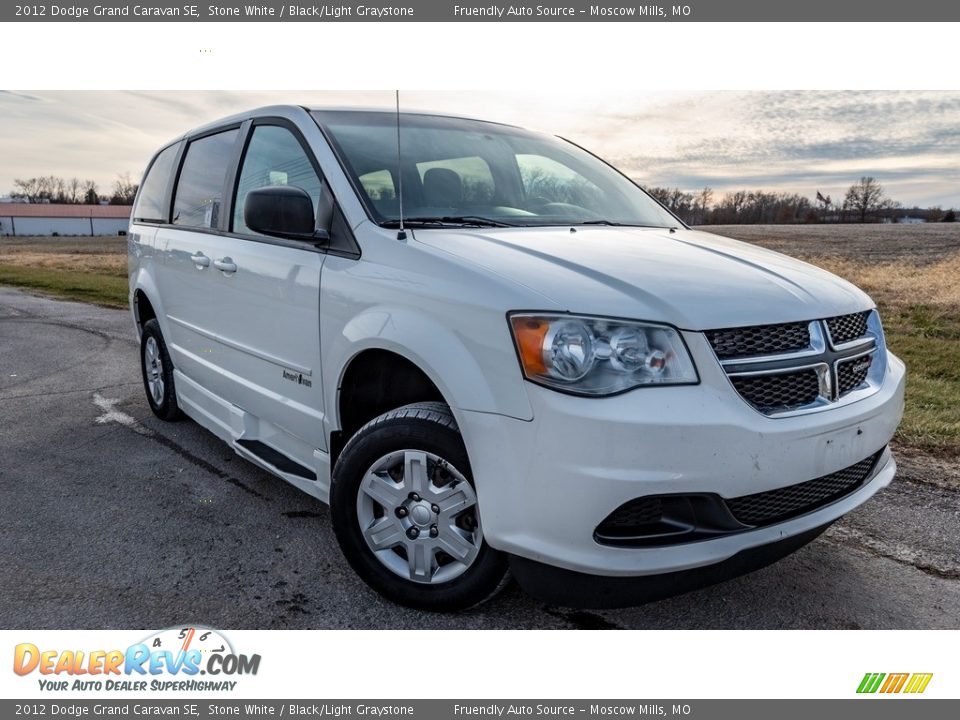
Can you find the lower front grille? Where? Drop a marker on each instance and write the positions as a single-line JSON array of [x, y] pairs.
[[632, 515], [680, 518], [781, 504], [778, 392]]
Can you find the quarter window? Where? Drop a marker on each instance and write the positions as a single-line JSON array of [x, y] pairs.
[[151, 205], [274, 157], [199, 193]]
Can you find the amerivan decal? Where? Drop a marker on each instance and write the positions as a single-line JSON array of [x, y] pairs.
[[298, 378]]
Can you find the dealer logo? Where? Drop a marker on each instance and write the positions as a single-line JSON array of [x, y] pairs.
[[170, 659], [910, 683]]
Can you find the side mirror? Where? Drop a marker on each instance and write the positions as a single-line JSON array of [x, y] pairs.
[[282, 211]]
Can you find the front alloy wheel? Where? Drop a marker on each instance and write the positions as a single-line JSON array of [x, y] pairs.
[[417, 514], [405, 512]]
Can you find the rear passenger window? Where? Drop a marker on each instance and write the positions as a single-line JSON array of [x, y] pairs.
[[274, 157], [199, 192], [150, 202]]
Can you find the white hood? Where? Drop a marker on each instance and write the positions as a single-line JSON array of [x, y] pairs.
[[694, 280]]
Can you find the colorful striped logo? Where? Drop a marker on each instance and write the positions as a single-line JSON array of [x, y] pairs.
[[894, 683]]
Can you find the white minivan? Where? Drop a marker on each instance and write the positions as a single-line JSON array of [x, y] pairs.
[[493, 354]]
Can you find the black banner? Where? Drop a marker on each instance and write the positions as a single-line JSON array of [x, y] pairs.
[[478, 11], [204, 708]]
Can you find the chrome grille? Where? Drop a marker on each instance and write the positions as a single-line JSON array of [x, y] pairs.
[[787, 368], [851, 374], [770, 392], [846, 328], [777, 505], [759, 340]]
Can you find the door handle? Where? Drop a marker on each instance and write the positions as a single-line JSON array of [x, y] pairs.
[[200, 260], [225, 264]]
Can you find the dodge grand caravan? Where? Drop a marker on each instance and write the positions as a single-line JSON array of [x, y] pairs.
[[493, 354]]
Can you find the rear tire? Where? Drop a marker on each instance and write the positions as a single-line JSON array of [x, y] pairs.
[[405, 512], [157, 370]]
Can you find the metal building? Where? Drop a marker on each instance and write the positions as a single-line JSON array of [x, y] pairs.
[[50, 219]]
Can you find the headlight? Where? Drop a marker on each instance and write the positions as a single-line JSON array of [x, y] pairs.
[[599, 356]]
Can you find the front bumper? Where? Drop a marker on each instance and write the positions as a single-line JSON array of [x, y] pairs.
[[557, 586], [545, 485]]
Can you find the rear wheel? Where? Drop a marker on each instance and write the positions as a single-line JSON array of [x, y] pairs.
[[405, 512], [158, 373]]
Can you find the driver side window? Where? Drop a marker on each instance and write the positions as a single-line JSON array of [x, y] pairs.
[[274, 156], [552, 182]]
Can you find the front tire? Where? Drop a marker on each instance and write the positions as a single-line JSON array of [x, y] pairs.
[[157, 369], [405, 512]]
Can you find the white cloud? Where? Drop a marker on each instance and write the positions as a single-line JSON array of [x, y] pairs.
[[795, 140]]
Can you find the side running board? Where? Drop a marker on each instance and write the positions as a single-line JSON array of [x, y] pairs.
[[276, 458]]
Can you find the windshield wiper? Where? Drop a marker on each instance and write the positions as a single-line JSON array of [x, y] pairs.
[[459, 220], [619, 224]]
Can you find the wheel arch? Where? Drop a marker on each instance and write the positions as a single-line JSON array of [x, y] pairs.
[[431, 353], [145, 303]]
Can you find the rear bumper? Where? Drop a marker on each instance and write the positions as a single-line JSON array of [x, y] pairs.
[[545, 485]]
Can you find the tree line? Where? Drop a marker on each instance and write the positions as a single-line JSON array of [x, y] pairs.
[[865, 201], [73, 191]]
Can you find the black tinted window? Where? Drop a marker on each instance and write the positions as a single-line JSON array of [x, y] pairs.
[[199, 192], [150, 202], [274, 157]]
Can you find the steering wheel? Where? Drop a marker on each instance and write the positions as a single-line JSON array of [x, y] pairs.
[[535, 203]]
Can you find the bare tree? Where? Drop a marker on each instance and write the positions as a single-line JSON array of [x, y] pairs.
[[28, 189], [124, 190], [90, 194], [865, 197], [73, 187], [58, 189], [52, 189], [704, 198]]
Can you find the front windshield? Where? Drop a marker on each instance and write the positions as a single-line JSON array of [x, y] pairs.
[[470, 172]]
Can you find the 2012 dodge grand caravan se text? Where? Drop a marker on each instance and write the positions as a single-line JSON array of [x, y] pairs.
[[488, 350]]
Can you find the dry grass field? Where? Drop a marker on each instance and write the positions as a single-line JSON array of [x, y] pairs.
[[912, 271], [913, 274], [87, 269], [868, 244]]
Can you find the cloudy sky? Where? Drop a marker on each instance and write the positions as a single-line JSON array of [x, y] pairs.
[[797, 141]]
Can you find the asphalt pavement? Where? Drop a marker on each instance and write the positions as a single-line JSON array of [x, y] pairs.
[[110, 518]]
